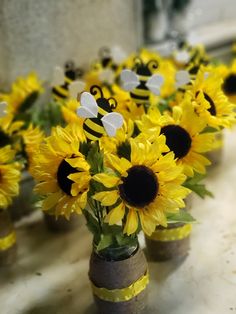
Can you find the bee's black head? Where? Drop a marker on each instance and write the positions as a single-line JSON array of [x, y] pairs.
[[107, 104], [145, 69], [105, 56], [72, 72]]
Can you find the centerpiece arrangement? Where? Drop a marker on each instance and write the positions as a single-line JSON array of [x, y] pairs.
[[130, 142]]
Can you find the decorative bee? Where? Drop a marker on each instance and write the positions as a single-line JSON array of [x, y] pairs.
[[190, 56], [100, 119], [65, 82], [108, 63], [184, 78], [142, 82]]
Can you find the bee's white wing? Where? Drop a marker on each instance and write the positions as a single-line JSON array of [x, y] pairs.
[[76, 88], [89, 107], [118, 54], [129, 80], [58, 76], [107, 76], [111, 122], [154, 83], [3, 106], [182, 78], [182, 56]]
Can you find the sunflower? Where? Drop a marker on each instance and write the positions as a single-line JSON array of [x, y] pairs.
[[62, 172], [24, 91], [183, 131], [9, 176], [32, 138], [120, 142], [8, 128], [228, 75], [211, 103], [143, 188]]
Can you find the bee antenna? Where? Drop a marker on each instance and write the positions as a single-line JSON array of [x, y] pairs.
[[113, 104], [152, 65], [138, 61], [95, 89]]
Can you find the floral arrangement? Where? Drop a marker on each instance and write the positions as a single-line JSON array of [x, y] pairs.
[[129, 145], [163, 114]]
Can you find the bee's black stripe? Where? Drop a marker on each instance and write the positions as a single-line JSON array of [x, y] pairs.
[[142, 85], [90, 131], [57, 93], [139, 97]]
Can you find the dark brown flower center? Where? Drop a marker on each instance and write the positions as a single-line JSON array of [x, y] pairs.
[[64, 170], [212, 108], [4, 139], [229, 86], [140, 187], [177, 139]]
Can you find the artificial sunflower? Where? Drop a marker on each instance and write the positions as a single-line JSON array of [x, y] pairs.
[[23, 93], [142, 188], [32, 137], [62, 172], [9, 128], [228, 75], [9, 176], [183, 131], [211, 103]]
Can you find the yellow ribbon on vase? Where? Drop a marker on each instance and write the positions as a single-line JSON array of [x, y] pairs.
[[171, 234], [123, 294], [7, 241]]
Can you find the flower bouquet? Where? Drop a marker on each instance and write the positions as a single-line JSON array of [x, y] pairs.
[[121, 187]]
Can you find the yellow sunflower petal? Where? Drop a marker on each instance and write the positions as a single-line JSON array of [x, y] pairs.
[[107, 198], [107, 180], [115, 215], [132, 222]]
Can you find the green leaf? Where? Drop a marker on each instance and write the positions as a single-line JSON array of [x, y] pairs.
[[210, 129], [199, 188], [105, 241], [92, 223], [123, 240], [181, 216], [95, 159], [111, 229]]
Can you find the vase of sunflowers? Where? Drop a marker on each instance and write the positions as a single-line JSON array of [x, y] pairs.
[[9, 186], [170, 242], [116, 287], [122, 184]]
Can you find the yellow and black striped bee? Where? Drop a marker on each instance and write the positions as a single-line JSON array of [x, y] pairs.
[[108, 64], [100, 118], [141, 81], [190, 56], [66, 82]]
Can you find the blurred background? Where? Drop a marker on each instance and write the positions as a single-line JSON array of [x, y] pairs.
[[37, 35]]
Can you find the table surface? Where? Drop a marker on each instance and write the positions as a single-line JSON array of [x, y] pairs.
[[50, 276]]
